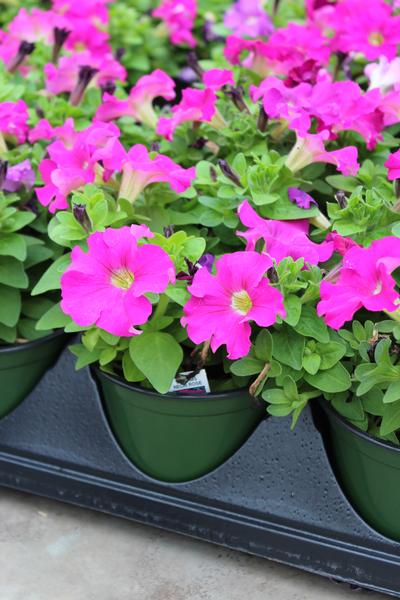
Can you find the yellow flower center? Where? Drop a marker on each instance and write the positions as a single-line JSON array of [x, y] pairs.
[[241, 302], [123, 278], [376, 39]]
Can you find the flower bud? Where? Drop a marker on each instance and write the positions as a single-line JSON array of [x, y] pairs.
[[228, 172], [25, 48], [80, 214], [60, 37], [86, 74]]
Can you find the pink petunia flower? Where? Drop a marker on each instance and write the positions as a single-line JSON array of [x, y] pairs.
[[340, 244], [43, 130], [106, 286], [282, 238], [35, 25], [178, 17], [393, 166], [139, 105], [215, 79], [64, 77], [365, 281], [336, 106], [248, 18], [73, 166], [139, 171], [223, 305], [377, 32], [14, 120], [196, 105], [311, 148]]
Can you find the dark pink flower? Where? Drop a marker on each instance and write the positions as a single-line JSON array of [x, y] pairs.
[[393, 166], [365, 281], [196, 105], [223, 305], [139, 104], [301, 198], [215, 79], [282, 238], [178, 17], [14, 120], [106, 286]]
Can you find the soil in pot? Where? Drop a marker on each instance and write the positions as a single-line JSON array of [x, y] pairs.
[[176, 437], [369, 471], [23, 365]]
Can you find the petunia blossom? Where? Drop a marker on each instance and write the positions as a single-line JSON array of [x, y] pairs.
[[139, 171], [196, 105], [139, 104], [311, 148], [384, 74], [215, 79], [282, 238], [14, 120], [178, 17], [106, 285], [248, 18], [223, 305], [18, 176], [393, 166], [365, 280], [301, 198]]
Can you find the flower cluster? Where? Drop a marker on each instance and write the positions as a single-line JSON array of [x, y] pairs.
[[238, 203]]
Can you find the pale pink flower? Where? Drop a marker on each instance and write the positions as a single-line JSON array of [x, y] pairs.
[[35, 25], [139, 104], [365, 281], [14, 120], [384, 74], [393, 166], [248, 18], [43, 130], [196, 105], [282, 238], [106, 285], [178, 17], [311, 148], [223, 305], [139, 171]]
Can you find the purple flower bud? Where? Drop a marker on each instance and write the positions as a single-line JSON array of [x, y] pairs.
[[108, 87], [301, 198], [193, 63], [3, 172], [262, 120], [80, 213], [86, 74], [25, 48], [341, 198], [207, 261], [168, 231], [60, 37], [228, 172], [236, 94]]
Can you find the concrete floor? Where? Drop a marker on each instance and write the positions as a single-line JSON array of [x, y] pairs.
[[51, 551]]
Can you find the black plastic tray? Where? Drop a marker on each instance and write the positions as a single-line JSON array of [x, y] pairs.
[[277, 497]]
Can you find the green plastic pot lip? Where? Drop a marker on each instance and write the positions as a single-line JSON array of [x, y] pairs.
[[15, 348], [170, 396], [366, 437]]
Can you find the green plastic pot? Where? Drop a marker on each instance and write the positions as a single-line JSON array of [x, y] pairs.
[[369, 471], [176, 437], [23, 365]]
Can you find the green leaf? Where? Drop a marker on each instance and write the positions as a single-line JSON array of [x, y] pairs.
[[391, 418], [311, 363], [293, 310], [247, 366], [131, 372], [158, 355], [10, 305], [330, 354], [8, 334], [50, 279], [13, 244], [12, 272], [289, 348], [263, 346], [54, 318], [336, 379], [392, 394], [84, 356], [311, 325]]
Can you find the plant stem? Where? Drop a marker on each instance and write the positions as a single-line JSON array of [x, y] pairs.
[[256, 383], [161, 308]]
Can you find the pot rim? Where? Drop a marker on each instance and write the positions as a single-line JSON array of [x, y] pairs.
[[330, 410], [171, 396], [11, 348]]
